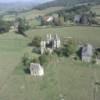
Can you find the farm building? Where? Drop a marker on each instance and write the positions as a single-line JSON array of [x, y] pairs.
[[77, 19], [36, 69], [46, 19], [81, 19], [87, 53]]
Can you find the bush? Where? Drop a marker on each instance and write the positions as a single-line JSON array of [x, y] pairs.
[[44, 59], [59, 52], [36, 50], [25, 60], [97, 54], [70, 48], [36, 41], [23, 26], [78, 53], [4, 26], [36, 60]]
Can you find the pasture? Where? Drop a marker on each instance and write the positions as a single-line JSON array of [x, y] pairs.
[[96, 9], [30, 15], [64, 77]]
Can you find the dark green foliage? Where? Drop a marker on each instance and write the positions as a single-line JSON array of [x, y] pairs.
[[36, 41], [78, 53], [25, 60], [70, 48], [97, 53], [22, 26], [36, 60], [59, 52], [66, 3], [69, 14], [43, 22], [35, 49], [44, 59], [4, 26]]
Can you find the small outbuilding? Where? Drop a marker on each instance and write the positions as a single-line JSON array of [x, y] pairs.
[[81, 19], [87, 53], [36, 69], [77, 19]]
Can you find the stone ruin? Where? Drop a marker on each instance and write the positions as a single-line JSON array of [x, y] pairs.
[[50, 44], [36, 69], [87, 53]]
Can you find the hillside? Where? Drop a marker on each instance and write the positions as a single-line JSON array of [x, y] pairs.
[[63, 76], [13, 7], [67, 3]]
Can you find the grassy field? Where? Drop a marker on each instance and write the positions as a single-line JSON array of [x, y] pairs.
[[96, 9], [65, 77], [32, 13], [81, 34]]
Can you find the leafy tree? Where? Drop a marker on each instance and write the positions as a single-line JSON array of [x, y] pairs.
[[59, 52], [36, 41], [22, 26], [44, 59], [70, 48], [25, 60], [4, 26]]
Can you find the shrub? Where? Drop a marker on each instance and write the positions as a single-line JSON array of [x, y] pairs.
[[36, 50], [4, 26], [78, 53], [36, 41], [23, 26], [25, 60], [36, 60], [59, 52], [44, 59], [70, 48]]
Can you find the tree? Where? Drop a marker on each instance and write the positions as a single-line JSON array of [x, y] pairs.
[[36, 41], [44, 59], [4, 26], [26, 60], [70, 48], [61, 20], [22, 26]]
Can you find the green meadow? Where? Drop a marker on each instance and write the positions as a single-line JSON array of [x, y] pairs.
[[64, 77]]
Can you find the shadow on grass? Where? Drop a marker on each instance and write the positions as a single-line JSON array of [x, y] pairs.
[[79, 53], [26, 71], [23, 34], [30, 44]]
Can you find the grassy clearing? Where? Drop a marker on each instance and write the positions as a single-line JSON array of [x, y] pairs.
[[10, 52], [81, 34], [96, 9], [72, 79]]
